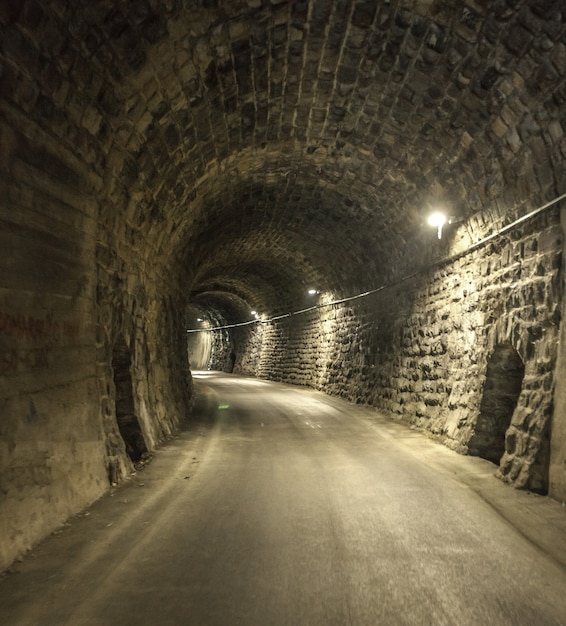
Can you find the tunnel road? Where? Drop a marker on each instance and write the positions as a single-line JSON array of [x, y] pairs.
[[282, 506]]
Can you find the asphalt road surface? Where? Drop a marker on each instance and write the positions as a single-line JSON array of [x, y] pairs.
[[280, 506]]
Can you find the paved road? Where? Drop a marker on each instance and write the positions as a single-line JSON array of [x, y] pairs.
[[284, 507]]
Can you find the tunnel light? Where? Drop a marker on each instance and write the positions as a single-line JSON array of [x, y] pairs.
[[199, 319], [438, 220], [254, 314], [313, 292]]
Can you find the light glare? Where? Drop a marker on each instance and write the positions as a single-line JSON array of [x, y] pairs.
[[438, 220]]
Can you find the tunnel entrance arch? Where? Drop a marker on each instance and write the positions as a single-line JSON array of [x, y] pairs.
[[503, 383], [128, 423]]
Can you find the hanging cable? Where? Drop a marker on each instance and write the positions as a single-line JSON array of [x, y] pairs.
[[399, 281]]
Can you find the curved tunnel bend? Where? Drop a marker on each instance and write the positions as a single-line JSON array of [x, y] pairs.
[[164, 163]]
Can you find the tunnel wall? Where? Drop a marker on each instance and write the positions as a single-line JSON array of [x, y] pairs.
[[558, 429], [199, 350], [68, 292], [51, 447], [209, 350], [419, 351], [132, 305], [71, 284]]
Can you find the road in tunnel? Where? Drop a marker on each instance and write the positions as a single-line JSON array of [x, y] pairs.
[[284, 506]]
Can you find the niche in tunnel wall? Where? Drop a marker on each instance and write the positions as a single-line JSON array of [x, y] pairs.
[[128, 423], [503, 383]]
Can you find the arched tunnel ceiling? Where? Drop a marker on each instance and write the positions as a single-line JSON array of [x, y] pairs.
[[276, 142], [217, 308]]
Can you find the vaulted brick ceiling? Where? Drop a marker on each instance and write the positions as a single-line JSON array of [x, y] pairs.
[[259, 146]]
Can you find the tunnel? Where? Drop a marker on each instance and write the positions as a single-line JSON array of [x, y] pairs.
[[247, 186]]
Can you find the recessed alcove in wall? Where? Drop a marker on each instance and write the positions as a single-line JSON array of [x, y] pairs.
[[503, 382], [126, 417]]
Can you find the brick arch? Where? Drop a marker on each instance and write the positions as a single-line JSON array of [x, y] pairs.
[[397, 104]]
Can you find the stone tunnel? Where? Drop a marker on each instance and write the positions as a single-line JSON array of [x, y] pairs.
[[171, 165]]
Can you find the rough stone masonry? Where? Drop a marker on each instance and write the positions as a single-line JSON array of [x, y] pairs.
[[163, 161]]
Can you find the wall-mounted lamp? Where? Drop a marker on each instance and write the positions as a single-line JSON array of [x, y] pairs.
[[199, 319], [438, 220], [313, 292], [254, 314]]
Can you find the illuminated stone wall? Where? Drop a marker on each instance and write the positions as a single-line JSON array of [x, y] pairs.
[[419, 351]]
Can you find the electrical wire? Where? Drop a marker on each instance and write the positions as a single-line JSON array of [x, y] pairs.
[[399, 281]]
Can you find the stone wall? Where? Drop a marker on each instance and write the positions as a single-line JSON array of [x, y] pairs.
[[51, 448], [148, 321], [420, 350], [558, 438], [252, 348], [72, 285], [209, 350], [68, 293]]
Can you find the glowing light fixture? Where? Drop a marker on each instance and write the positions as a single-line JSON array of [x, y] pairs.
[[313, 292], [254, 313], [438, 220], [199, 319]]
